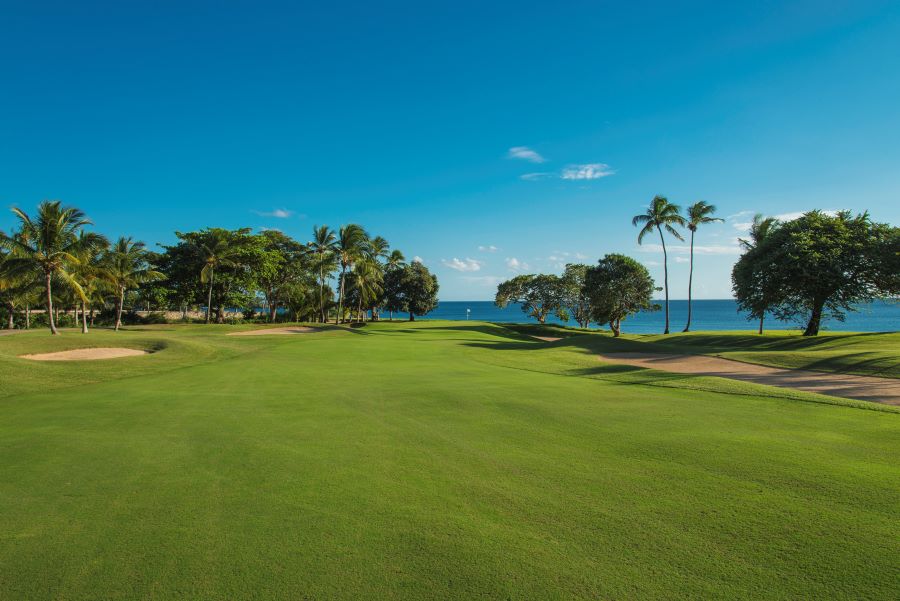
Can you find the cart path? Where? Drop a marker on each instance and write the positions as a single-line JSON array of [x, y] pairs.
[[848, 386]]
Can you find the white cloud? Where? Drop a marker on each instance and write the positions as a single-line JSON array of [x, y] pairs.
[[466, 264], [682, 259], [418, 259], [531, 177], [514, 264], [490, 248], [586, 171], [269, 229], [526, 154], [279, 213]]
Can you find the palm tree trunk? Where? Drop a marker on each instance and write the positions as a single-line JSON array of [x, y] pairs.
[[50, 305], [27, 317], [10, 323], [687, 328], [322, 291], [84, 325], [340, 312], [761, 317], [212, 276], [119, 303], [665, 276]]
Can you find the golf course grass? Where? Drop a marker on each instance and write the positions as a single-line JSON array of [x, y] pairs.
[[439, 460]]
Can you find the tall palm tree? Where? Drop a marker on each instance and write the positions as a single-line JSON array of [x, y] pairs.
[[698, 214], [126, 268], [367, 278], [218, 251], [46, 245], [323, 247], [760, 229], [90, 272], [659, 216], [352, 244], [379, 253]]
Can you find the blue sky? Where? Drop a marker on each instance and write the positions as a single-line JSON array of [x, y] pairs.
[[486, 138]]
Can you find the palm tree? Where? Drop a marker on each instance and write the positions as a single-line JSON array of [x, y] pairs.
[[47, 246], [218, 251], [323, 246], [395, 260], [661, 215], [89, 272], [698, 214], [126, 268], [760, 229], [378, 250], [352, 243], [367, 279]]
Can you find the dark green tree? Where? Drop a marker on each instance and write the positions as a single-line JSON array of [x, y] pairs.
[[574, 294], [411, 288], [618, 286], [752, 289], [539, 295], [822, 265]]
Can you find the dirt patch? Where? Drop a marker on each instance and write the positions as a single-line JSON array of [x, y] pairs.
[[863, 388], [86, 354], [547, 338], [265, 331]]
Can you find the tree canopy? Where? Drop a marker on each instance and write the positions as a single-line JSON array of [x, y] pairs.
[[818, 265]]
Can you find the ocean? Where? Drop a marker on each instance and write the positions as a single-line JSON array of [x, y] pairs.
[[708, 315]]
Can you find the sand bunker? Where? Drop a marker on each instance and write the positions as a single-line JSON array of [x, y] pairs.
[[863, 388], [265, 331], [547, 338], [86, 354]]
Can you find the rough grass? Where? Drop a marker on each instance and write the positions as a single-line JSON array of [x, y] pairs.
[[427, 461]]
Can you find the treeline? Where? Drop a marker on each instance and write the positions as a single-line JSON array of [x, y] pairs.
[[51, 261], [816, 266]]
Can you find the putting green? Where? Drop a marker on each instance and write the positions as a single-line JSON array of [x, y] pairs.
[[431, 460]]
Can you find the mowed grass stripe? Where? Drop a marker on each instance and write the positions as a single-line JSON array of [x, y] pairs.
[[409, 465]]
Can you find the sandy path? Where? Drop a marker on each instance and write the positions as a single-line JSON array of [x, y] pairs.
[[86, 354], [863, 388], [286, 330]]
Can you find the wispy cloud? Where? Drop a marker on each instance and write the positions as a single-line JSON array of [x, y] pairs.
[[490, 248], [279, 213], [682, 259], [526, 154], [418, 259], [466, 264], [575, 172], [513, 264], [586, 171], [533, 177]]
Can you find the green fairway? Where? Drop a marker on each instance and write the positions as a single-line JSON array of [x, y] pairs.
[[437, 460]]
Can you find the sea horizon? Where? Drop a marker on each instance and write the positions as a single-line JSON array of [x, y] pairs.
[[708, 314]]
